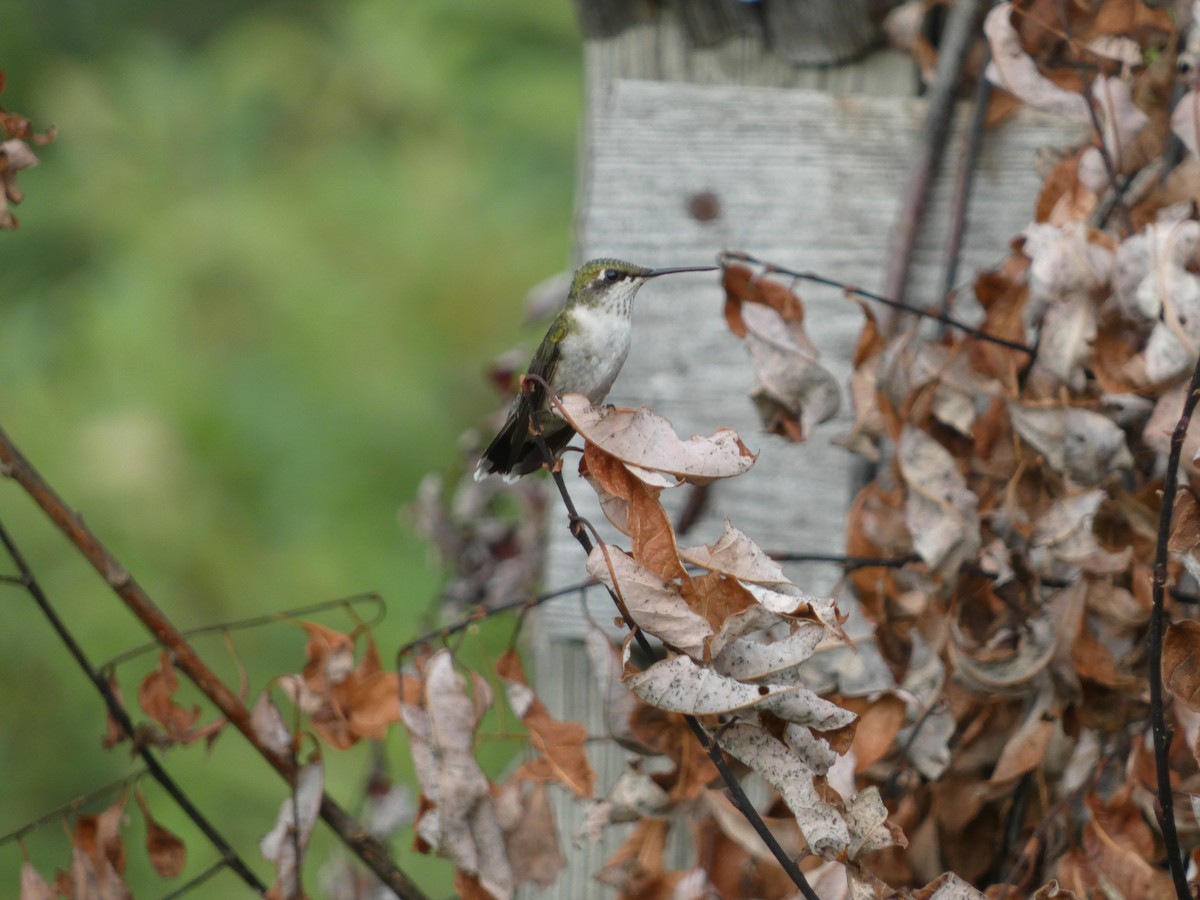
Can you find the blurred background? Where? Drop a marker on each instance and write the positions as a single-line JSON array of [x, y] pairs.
[[257, 278]]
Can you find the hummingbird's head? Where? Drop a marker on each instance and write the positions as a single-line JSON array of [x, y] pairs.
[[613, 282]]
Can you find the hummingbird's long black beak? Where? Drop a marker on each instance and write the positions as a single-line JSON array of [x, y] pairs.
[[654, 273]]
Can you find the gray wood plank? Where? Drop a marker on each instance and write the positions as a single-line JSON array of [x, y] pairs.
[[809, 177]]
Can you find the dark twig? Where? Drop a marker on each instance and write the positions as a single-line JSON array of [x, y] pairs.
[[936, 315], [357, 839], [72, 806], [116, 709], [967, 166], [184, 889], [961, 31], [741, 801], [849, 563], [1154, 640]]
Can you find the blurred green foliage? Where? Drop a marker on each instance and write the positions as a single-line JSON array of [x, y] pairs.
[[255, 282]]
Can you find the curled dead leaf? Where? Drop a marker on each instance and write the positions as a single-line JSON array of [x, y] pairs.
[[644, 440]]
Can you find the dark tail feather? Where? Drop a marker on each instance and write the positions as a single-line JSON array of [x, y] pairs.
[[515, 452]]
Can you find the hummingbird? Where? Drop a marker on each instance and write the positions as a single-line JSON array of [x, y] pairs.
[[582, 353]]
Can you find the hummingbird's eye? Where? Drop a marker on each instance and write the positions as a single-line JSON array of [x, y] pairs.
[[612, 276]]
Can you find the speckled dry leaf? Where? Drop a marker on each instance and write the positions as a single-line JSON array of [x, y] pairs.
[[948, 887], [941, 512], [680, 685], [168, 854], [1181, 662], [1079, 443], [459, 819], [735, 554], [645, 440], [293, 827], [1014, 70], [1066, 263], [757, 643], [560, 745], [822, 826], [656, 605], [870, 830], [793, 602]]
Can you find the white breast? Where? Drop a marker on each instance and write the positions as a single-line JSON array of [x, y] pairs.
[[593, 355]]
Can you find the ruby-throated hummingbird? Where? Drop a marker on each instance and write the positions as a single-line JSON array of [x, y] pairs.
[[582, 353]]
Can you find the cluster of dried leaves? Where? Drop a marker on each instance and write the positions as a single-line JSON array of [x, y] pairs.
[[344, 702], [987, 723], [98, 857], [977, 721], [15, 155]]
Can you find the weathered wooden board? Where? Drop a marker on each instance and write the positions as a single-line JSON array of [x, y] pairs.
[[807, 178]]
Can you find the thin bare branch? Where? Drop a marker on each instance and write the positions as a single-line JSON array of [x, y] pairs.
[[1154, 640], [259, 621], [70, 807], [936, 315], [962, 29]]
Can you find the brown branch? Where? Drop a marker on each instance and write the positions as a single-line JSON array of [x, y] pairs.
[[964, 183], [116, 709], [356, 838], [1154, 640], [578, 527], [961, 30]]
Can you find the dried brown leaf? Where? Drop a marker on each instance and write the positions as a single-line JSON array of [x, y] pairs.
[[822, 825], [657, 606], [644, 440], [941, 512], [168, 854], [561, 746], [680, 685], [1014, 70]]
